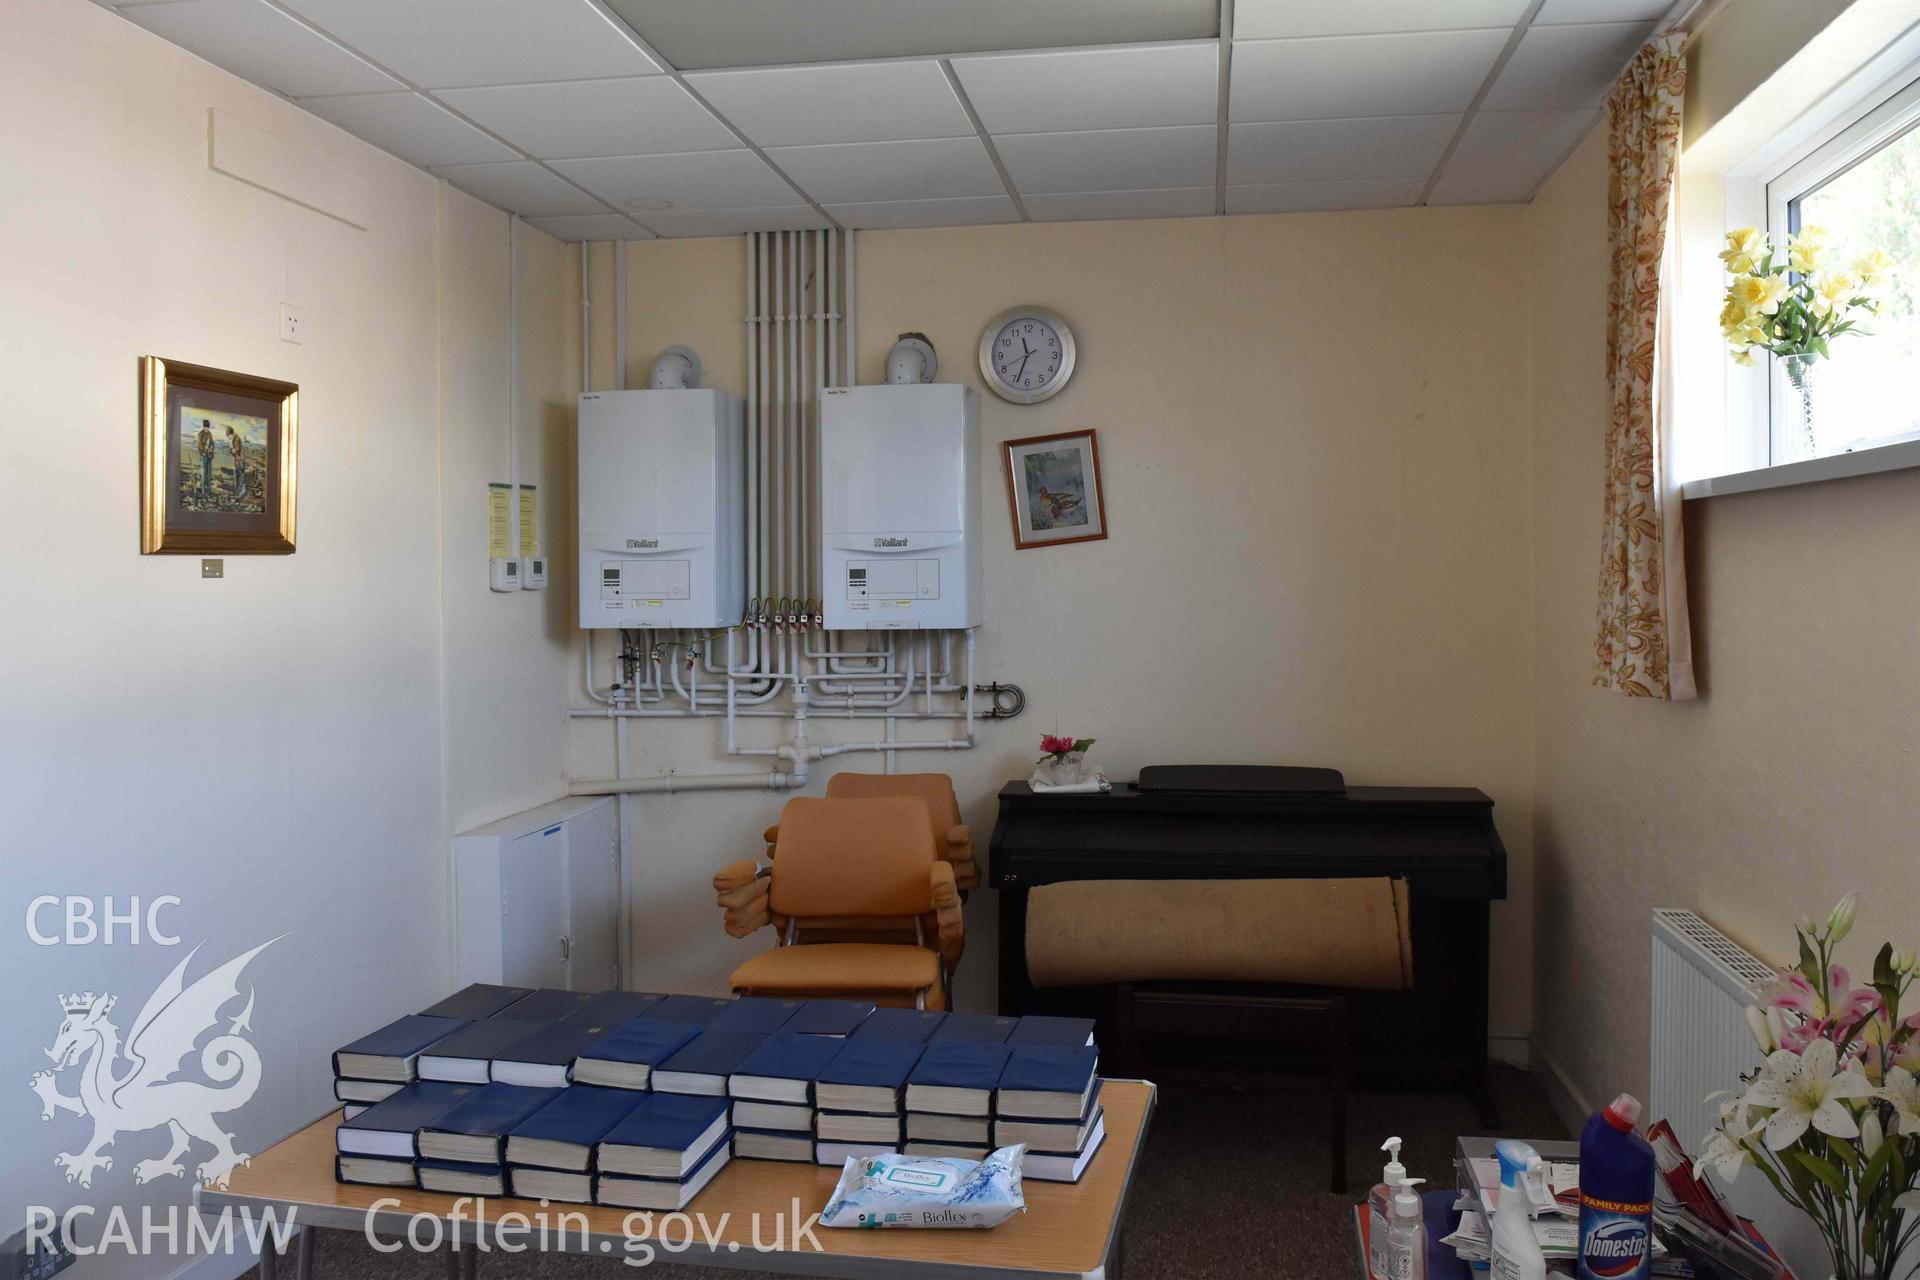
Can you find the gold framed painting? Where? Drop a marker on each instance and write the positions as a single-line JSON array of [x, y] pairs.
[[219, 458]]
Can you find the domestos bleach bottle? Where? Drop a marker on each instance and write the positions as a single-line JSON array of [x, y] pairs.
[[1616, 1195]]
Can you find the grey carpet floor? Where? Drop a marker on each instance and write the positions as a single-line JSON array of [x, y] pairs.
[[1233, 1185]]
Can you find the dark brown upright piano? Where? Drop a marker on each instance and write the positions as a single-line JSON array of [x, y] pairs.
[[1441, 839]]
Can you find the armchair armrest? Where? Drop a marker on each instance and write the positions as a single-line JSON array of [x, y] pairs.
[[741, 889], [772, 836], [947, 914]]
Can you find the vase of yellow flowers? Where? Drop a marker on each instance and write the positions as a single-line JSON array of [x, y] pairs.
[[1792, 300]]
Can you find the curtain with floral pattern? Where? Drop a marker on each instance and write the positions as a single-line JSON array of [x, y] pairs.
[[1644, 647]]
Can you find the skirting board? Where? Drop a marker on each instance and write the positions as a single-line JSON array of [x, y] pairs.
[[1563, 1096]]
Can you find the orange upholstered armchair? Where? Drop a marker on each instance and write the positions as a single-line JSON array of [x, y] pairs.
[[952, 838], [862, 906]]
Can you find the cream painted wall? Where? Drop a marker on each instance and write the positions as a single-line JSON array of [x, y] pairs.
[[1740, 45], [1313, 432], [1794, 778], [270, 747]]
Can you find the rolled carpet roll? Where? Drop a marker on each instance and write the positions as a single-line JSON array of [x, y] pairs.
[[1335, 933]]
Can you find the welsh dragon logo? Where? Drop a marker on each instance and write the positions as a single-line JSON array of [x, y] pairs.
[[147, 1094]]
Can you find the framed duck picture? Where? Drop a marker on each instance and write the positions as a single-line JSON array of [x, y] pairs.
[[219, 458], [1053, 488]]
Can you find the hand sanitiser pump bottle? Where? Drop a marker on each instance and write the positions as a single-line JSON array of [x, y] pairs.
[[1516, 1252], [1380, 1209], [1407, 1238], [1616, 1195]]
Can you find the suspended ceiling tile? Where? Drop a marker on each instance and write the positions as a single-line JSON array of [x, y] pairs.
[[1505, 155], [260, 43], [1347, 77], [1330, 150], [734, 222], [438, 44], [410, 126], [591, 226], [1263, 19], [632, 116], [1110, 159], [699, 34], [698, 181], [1069, 89], [1555, 12], [837, 102], [1306, 197], [866, 172], [1564, 66], [520, 186], [1093, 206], [894, 214]]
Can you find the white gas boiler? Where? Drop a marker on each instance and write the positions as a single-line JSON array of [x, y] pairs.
[[900, 506], [662, 509]]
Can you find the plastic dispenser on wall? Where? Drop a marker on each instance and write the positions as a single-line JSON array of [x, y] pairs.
[[662, 503], [900, 499]]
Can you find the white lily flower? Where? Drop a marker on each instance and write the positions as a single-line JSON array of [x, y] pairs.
[[1908, 1200], [1871, 1134], [1724, 1154], [1762, 1032], [1903, 1091], [1814, 1094]]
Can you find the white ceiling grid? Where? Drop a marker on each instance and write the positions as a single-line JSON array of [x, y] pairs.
[[563, 112]]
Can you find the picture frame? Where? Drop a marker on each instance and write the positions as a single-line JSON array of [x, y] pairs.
[[1053, 489], [219, 461]]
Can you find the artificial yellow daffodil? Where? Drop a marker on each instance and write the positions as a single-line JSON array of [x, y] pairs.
[[1808, 248], [1832, 290], [1745, 248], [1758, 293], [1872, 268]]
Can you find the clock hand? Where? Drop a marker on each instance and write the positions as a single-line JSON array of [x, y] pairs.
[[1023, 364]]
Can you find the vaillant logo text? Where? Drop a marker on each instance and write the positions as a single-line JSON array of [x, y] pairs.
[[889, 542], [637, 543]]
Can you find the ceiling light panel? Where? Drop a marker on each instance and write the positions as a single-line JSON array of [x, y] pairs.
[[260, 43], [1346, 77], [842, 102], [412, 127], [1078, 89], [867, 172], [439, 44], [698, 180], [1111, 159], [632, 116], [1564, 66], [520, 186], [1334, 150], [1310, 197], [1265, 19]]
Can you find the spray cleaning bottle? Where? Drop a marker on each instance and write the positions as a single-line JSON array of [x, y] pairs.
[[1380, 1210], [1516, 1252], [1407, 1238]]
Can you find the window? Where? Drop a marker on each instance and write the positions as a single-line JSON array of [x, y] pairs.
[[1862, 184]]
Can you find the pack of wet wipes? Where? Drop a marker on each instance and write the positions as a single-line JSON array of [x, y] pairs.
[[921, 1191]]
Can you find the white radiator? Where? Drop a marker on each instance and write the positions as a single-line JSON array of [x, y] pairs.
[[1702, 983]]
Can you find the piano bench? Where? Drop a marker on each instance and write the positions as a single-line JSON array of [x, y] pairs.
[[1311, 1020]]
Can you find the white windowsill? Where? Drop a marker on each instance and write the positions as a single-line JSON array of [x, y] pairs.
[[1861, 462]]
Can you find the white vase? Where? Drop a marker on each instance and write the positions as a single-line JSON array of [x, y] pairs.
[[1062, 770]]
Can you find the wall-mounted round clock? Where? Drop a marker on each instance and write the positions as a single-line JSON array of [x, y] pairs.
[[1026, 355]]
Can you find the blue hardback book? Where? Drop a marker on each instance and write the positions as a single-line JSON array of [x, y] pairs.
[[372, 1171], [912, 1025], [462, 1177], [390, 1052], [563, 1134], [1065, 1033], [783, 1068], [1050, 1136], [699, 1010], [704, 1063], [665, 1136], [543, 1059], [388, 1128], [1046, 1083], [981, 1028], [755, 1013], [611, 1008], [481, 1000], [624, 1057], [866, 1075], [829, 1017], [550, 1004], [475, 1130], [466, 1056], [668, 1191], [956, 1077]]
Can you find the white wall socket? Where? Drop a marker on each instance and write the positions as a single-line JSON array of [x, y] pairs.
[[293, 326]]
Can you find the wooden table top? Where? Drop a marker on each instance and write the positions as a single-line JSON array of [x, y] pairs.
[[1069, 1229]]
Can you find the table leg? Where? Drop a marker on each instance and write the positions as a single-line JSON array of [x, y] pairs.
[[305, 1241], [1117, 1262], [269, 1260]]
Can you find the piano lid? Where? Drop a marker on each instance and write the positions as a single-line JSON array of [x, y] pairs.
[[1242, 779]]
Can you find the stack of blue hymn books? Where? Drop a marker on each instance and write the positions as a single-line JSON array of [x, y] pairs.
[[377, 1066]]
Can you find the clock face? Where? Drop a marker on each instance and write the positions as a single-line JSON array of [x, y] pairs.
[[1027, 355]]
